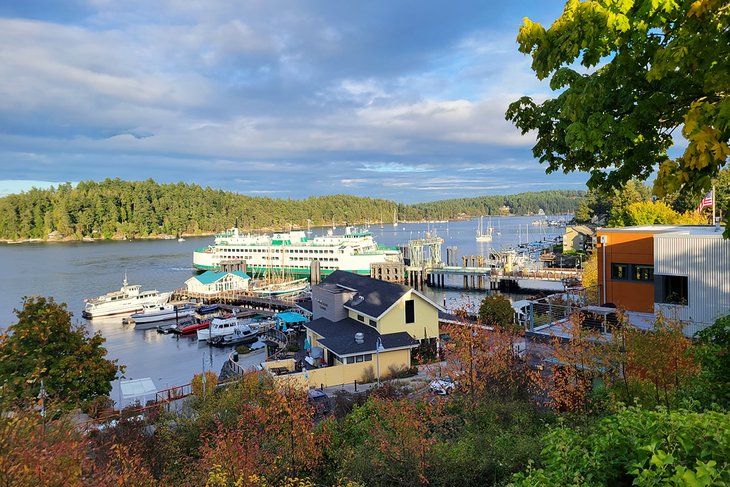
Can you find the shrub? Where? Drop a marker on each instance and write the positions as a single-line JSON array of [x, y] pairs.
[[368, 376], [211, 380]]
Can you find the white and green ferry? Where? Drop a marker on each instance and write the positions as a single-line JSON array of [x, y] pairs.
[[291, 253]]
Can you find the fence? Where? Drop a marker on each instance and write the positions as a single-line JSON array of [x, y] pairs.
[[549, 316]]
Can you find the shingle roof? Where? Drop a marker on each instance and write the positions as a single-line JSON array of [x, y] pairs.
[[378, 296], [339, 337], [209, 277]]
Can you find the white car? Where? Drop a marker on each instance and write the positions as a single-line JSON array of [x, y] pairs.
[[442, 386]]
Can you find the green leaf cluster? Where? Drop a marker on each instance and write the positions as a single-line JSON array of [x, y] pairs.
[[649, 67], [43, 345], [636, 447]]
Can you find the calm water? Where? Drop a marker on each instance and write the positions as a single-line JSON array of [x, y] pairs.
[[71, 272]]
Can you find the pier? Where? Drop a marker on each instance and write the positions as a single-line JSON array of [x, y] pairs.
[[235, 298], [501, 270]]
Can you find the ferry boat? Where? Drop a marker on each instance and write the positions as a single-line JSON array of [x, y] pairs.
[[129, 299], [291, 253]]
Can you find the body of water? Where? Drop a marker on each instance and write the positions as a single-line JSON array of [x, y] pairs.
[[72, 272]]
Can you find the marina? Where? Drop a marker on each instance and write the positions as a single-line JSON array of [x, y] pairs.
[[70, 272]]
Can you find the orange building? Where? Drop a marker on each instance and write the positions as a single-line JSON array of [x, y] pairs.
[[626, 266]]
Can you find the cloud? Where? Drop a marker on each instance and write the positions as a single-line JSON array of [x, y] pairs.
[[296, 95]]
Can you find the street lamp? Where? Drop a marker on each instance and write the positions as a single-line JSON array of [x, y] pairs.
[[378, 348]]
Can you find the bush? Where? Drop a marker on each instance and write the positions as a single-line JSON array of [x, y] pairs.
[[243, 349], [637, 447], [211, 380], [292, 347], [401, 372]]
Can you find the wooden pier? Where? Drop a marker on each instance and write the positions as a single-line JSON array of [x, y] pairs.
[[236, 298]]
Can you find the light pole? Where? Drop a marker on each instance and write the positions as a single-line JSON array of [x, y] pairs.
[[378, 348]]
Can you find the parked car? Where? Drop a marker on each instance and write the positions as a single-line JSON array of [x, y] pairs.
[[443, 386], [319, 400]]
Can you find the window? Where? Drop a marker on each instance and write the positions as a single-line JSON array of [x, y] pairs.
[[632, 272], [643, 273], [671, 290], [361, 318], [350, 360], [358, 358], [373, 323], [619, 271], [368, 357], [410, 311]]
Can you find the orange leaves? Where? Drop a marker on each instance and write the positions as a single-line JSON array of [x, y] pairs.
[[273, 437], [30, 457]]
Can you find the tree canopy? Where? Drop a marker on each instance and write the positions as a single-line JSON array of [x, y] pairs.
[[114, 208], [45, 346], [651, 67]]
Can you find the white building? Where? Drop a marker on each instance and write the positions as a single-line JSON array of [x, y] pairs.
[[692, 274], [211, 282]]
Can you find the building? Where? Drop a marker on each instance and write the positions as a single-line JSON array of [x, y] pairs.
[[682, 271], [578, 238], [210, 282], [361, 326]]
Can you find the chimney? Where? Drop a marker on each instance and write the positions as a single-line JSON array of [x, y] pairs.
[[359, 337]]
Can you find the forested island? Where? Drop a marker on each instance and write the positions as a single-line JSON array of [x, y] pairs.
[[117, 209]]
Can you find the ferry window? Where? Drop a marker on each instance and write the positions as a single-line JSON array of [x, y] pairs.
[[671, 290], [373, 323], [410, 311], [643, 273], [361, 318], [619, 271]]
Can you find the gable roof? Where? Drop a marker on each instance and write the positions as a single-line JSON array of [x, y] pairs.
[[377, 296], [209, 277], [339, 337]]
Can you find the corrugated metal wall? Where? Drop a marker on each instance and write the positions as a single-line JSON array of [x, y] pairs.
[[705, 260]]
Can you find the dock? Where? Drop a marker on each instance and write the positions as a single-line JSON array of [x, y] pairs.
[[236, 298], [422, 265]]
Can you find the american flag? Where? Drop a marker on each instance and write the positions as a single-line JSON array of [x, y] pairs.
[[706, 202]]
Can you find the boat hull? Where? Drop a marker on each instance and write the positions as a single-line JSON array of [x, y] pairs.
[[168, 314], [124, 306]]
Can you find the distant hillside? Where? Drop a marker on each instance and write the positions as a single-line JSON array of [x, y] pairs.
[[114, 208]]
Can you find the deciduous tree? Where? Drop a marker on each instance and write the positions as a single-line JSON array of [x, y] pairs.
[[43, 345], [650, 67]]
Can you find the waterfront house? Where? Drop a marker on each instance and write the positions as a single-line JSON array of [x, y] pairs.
[[361, 326], [210, 282], [578, 238]]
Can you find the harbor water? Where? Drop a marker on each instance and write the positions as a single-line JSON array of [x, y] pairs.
[[72, 272]]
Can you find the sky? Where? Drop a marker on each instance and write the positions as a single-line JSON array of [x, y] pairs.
[[401, 99]]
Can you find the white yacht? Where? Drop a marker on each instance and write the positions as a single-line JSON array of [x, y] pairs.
[[129, 299], [226, 325], [161, 312]]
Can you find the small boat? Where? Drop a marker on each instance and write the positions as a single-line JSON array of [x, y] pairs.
[[242, 334], [189, 329], [152, 313], [180, 239], [129, 299], [484, 235], [219, 326]]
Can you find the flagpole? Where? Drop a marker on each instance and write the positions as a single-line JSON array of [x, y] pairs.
[[713, 205]]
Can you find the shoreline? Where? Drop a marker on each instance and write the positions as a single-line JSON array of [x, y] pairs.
[[209, 234]]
